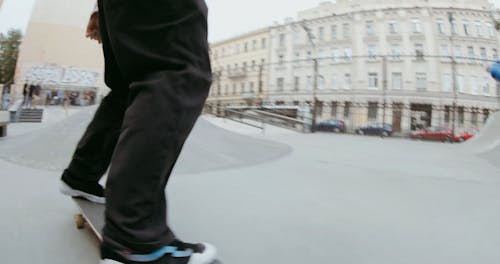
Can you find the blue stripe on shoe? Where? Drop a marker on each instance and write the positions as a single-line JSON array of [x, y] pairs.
[[158, 254]]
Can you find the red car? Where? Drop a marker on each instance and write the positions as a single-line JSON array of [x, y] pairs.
[[465, 136], [434, 133]]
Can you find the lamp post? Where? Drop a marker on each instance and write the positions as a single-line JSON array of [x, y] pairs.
[[454, 73], [310, 36]]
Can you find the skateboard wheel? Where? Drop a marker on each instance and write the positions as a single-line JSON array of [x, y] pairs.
[[80, 221]]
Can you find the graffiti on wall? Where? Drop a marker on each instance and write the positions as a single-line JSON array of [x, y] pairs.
[[56, 75]]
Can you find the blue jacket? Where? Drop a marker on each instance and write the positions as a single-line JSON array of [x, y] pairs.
[[495, 71]]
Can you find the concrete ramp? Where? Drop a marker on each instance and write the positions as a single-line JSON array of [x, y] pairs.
[[487, 143], [488, 139], [209, 147]]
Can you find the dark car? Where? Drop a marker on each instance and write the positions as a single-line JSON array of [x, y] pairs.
[[337, 126], [433, 133], [375, 129]]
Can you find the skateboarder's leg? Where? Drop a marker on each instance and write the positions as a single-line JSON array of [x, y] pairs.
[[162, 47], [93, 153]]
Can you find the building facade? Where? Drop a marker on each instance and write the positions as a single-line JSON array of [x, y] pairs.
[[56, 55], [388, 61], [240, 71]]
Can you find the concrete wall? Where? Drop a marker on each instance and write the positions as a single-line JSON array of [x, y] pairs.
[[55, 39]]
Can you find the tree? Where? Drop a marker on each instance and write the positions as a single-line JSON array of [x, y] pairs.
[[9, 50]]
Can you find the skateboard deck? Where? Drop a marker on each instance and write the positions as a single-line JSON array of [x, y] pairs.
[[92, 216]]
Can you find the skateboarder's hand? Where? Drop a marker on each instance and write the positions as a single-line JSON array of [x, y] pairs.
[[93, 28]]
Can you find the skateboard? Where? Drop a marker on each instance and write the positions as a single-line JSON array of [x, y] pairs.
[[92, 216]]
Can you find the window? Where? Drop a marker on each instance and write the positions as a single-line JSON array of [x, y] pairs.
[[370, 28], [245, 49], [333, 31], [321, 53], [237, 48], [253, 65], [234, 88], [444, 51], [280, 59], [461, 115], [347, 81], [282, 40], [491, 31], [421, 81], [467, 27], [254, 44], [393, 26], [296, 83], [347, 110], [397, 80], [486, 114], [474, 116], [454, 27], [296, 37], [263, 43], [494, 54], [309, 55], [372, 110], [447, 83], [335, 84], [347, 54], [242, 88], [486, 85], [321, 82], [419, 51], [309, 83], [251, 87], [372, 51], [244, 66], [479, 28], [395, 51], [334, 109], [471, 54], [280, 84], [457, 51], [440, 26], [447, 111], [417, 26], [473, 85], [372, 80], [321, 33], [347, 30], [460, 83], [484, 56], [335, 55]]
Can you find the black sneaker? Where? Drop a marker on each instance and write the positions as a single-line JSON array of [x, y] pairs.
[[87, 190], [177, 252]]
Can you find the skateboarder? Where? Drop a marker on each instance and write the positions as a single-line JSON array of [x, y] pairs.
[[158, 69]]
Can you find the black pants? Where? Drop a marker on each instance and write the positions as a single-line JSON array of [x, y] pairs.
[[158, 69]]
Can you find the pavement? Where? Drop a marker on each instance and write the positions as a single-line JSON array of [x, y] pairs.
[[273, 197]]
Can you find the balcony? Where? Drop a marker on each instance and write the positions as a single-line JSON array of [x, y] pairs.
[[238, 73]]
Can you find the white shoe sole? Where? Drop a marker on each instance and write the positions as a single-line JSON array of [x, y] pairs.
[[109, 261], [65, 189], [207, 257]]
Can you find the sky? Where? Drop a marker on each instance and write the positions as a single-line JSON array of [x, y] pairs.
[[227, 18]]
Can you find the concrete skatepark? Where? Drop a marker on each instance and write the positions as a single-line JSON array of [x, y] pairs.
[[274, 197]]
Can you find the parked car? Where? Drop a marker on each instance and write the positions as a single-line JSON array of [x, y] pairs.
[[337, 126], [375, 129], [434, 133], [465, 136]]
